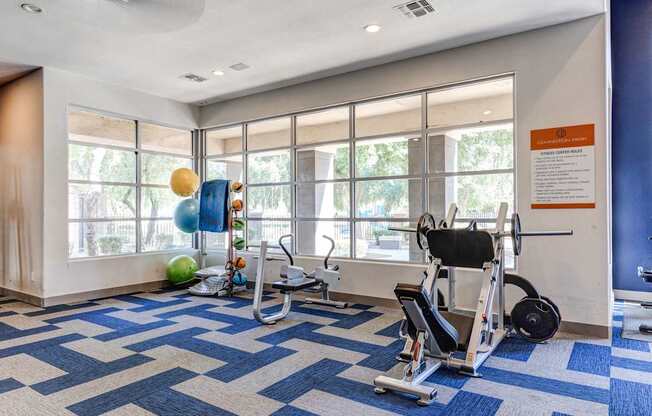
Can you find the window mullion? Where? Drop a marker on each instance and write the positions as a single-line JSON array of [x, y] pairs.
[[138, 192], [352, 213], [293, 178]]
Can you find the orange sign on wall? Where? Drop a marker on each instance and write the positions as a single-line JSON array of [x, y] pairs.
[[563, 167]]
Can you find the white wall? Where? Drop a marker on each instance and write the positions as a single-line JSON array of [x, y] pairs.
[[62, 89], [21, 184], [560, 79]]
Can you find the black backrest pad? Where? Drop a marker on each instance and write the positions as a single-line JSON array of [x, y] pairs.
[[460, 247], [444, 333]]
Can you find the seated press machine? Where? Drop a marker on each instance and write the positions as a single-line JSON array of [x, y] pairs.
[[451, 337]]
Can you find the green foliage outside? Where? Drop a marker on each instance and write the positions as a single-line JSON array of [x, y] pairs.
[[98, 164], [476, 195]]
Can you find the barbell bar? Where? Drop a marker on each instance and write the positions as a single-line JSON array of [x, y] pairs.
[[516, 234]]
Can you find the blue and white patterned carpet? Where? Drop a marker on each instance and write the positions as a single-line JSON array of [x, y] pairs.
[[166, 353]]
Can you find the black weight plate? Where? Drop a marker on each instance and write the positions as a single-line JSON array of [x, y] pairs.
[[554, 306], [426, 222], [535, 319], [516, 234]]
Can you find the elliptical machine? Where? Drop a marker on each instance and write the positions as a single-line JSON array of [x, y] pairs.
[[294, 279]]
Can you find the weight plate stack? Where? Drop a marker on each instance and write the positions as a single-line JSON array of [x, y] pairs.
[[535, 319], [426, 222]]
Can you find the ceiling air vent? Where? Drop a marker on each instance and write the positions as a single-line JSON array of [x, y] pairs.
[[193, 77], [239, 66], [416, 8]]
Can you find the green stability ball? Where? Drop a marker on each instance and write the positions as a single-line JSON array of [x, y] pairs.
[[181, 269]]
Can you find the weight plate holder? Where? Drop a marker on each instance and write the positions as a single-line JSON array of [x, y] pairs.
[[535, 319], [426, 222]]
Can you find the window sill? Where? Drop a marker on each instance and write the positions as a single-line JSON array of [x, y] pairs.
[[123, 256], [346, 260]]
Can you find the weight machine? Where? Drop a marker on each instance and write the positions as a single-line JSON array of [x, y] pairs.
[[435, 333], [293, 279]]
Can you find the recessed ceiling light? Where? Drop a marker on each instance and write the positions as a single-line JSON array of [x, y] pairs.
[[218, 73], [487, 112], [372, 28], [31, 8]]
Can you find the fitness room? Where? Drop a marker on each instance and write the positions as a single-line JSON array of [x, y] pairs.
[[215, 207]]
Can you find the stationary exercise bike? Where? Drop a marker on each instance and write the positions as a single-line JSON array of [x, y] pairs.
[[437, 334], [294, 279]]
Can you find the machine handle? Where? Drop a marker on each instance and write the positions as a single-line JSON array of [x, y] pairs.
[[329, 251], [285, 250]]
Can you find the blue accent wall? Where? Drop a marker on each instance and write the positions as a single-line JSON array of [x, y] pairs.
[[631, 35]]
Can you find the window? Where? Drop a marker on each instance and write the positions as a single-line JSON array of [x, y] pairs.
[[222, 160], [353, 171], [119, 201]]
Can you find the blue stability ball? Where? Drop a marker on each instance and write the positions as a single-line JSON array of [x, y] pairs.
[[239, 278], [186, 215]]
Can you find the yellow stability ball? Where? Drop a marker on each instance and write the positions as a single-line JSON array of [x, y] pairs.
[[184, 182]]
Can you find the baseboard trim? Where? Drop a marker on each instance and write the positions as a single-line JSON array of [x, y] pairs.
[[589, 330], [83, 296], [22, 296], [633, 295], [105, 293]]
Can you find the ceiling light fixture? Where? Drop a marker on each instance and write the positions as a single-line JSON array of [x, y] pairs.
[[218, 73], [373, 28], [31, 8], [487, 112]]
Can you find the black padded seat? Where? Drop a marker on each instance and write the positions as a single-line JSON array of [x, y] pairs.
[[461, 247], [444, 333], [286, 286]]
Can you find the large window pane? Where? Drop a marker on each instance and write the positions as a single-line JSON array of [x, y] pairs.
[[323, 200], [165, 139], [374, 240], [268, 167], [477, 196], [158, 202], [311, 241], [388, 116], [323, 126], [390, 198], [160, 235], [321, 163], [228, 167], [95, 128], [472, 149], [101, 164], [91, 201], [268, 201], [223, 141], [470, 104], [389, 156], [156, 169], [268, 134], [216, 241], [90, 239], [269, 231]]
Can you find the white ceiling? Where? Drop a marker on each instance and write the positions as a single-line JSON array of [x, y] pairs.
[[147, 44]]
